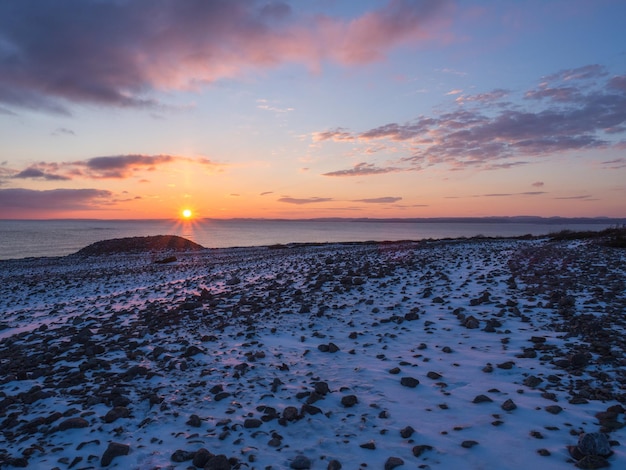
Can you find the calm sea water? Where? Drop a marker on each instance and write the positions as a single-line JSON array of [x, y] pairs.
[[28, 238]]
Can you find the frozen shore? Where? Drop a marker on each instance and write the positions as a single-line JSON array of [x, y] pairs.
[[458, 354]]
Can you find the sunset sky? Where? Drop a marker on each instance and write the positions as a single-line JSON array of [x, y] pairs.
[[121, 109]]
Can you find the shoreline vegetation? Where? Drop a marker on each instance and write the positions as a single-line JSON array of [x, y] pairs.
[[450, 353]]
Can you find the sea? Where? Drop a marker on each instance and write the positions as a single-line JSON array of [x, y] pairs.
[[47, 238]]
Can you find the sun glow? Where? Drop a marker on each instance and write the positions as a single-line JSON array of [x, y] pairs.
[[187, 214]]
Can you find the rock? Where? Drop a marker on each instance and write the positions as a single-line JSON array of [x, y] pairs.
[[349, 401], [300, 462], [334, 465], [434, 375], [332, 348], [291, 413], [482, 399], [553, 409], [115, 413], [471, 323], [114, 449], [370, 445], [73, 423], [508, 405], [218, 462], [532, 381], [192, 351], [410, 382], [420, 449], [251, 423], [469, 444], [592, 462], [594, 443], [407, 432], [194, 421], [201, 457], [182, 456], [322, 388], [393, 462]]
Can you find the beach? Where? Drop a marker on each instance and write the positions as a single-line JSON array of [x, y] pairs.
[[474, 353]]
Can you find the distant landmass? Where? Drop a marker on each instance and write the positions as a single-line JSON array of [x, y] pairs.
[[526, 219], [140, 245]]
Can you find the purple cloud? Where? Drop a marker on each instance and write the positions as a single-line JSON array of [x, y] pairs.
[[118, 52], [14, 201], [362, 169], [107, 167], [37, 173], [311, 200], [380, 200]]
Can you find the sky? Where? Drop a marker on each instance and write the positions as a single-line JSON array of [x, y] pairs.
[[131, 109]]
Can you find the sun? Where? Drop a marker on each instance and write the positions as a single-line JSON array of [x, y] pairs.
[[187, 214]]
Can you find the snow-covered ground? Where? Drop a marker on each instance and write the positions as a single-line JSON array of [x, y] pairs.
[[459, 354]]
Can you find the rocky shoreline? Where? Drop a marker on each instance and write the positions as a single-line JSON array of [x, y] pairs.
[[472, 353]]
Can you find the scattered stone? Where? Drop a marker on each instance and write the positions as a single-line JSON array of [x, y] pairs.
[[252, 423], [482, 399], [410, 382], [433, 375], [370, 445], [532, 381], [73, 423], [349, 401], [469, 444], [508, 405], [116, 413], [201, 457], [218, 462], [194, 421], [553, 409], [393, 462], [407, 432], [420, 449], [182, 456], [334, 465], [300, 462], [113, 450]]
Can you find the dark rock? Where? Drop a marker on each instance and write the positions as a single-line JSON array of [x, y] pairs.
[[349, 401], [393, 462], [407, 432], [594, 443], [192, 351], [370, 445], [482, 399], [114, 449], [433, 375], [554, 409], [300, 462], [201, 457], [532, 381], [194, 421], [469, 444], [506, 365], [73, 423], [251, 423], [332, 348], [592, 462], [115, 413], [218, 462], [291, 413], [420, 449], [182, 456], [508, 405], [322, 388], [410, 382], [471, 323], [334, 465]]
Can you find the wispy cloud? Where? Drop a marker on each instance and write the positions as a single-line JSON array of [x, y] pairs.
[[302, 201], [36, 173], [362, 169], [380, 200], [144, 46], [106, 167]]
